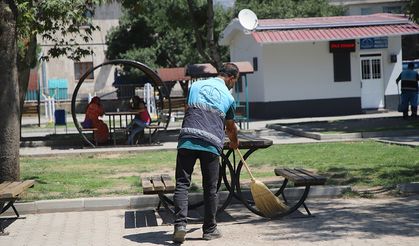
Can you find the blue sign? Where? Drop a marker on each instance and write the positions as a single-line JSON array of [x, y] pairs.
[[373, 43]]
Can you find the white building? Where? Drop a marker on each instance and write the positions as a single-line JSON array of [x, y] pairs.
[[321, 66], [367, 7], [63, 72]]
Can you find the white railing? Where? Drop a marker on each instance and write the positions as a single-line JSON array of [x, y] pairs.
[[49, 103], [149, 99]]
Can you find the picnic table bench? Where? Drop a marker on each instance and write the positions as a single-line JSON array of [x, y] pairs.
[[159, 184], [9, 193], [299, 177]]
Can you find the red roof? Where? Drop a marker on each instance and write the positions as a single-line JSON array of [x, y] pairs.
[[172, 74], [332, 28], [208, 70], [337, 21], [325, 34]]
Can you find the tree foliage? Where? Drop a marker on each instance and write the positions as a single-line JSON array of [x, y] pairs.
[[170, 33], [161, 33], [413, 10], [65, 24]]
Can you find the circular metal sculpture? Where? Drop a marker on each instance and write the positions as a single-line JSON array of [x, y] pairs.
[[157, 83]]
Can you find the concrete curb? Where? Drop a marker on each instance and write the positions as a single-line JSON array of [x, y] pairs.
[[146, 201], [409, 187], [341, 136]]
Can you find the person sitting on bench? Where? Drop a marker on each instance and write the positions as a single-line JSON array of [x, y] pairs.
[[140, 121], [92, 120]]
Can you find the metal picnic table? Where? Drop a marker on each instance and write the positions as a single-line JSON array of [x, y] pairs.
[[230, 172]]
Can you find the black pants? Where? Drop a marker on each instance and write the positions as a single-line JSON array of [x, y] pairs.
[[210, 166]]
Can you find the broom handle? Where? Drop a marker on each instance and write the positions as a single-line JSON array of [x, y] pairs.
[[245, 165]]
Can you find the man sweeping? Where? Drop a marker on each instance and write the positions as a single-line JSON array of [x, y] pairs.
[[209, 114]]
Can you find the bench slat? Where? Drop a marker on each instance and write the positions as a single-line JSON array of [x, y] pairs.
[[303, 176], [168, 183], [16, 188], [318, 178], [89, 129], [300, 177], [289, 175], [9, 187], [157, 183], [154, 127], [4, 184], [147, 185]]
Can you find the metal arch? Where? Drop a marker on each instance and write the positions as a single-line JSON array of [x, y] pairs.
[[144, 68]]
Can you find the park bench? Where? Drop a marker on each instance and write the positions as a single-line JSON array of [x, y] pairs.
[[176, 103], [30, 109], [9, 193], [299, 177], [92, 131], [153, 127], [159, 184]]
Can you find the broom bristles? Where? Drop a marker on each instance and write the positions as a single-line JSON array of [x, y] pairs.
[[265, 200]]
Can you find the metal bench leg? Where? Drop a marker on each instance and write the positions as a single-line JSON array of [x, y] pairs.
[[163, 201], [306, 208], [2, 232], [14, 209], [4, 209], [158, 205], [149, 135], [8, 205]]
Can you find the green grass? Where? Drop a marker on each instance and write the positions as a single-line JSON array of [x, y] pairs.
[[366, 163]]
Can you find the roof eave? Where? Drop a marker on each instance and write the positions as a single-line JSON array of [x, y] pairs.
[[332, 39], [229, 32]]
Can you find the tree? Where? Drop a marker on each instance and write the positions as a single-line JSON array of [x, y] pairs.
[[413, 10], [174, 33], [163, 33], [9, 93], [57, 21]]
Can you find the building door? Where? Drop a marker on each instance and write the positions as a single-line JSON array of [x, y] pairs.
[[372, 86]]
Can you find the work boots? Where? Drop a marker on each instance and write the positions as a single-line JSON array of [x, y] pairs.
[[414, 112], [405, 115]]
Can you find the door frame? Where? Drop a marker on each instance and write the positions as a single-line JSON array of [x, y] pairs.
[[372, 55]]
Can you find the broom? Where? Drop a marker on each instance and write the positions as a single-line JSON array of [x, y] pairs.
[[265, 200]]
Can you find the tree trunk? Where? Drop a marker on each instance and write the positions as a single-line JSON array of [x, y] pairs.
[[212, 44], [212, 54], [199, 40], [9, 94], [24, 68]]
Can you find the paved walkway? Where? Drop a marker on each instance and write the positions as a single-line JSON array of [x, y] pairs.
[[389, 221]]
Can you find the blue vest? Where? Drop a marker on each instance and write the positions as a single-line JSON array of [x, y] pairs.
[[208, 102], [409, 80]]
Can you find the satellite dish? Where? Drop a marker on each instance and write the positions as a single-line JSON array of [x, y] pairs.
[[248, 19]]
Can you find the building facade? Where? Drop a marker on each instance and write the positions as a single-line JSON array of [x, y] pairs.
[[321, 66], [59, 76]]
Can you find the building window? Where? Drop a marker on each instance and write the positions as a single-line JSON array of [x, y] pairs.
[[342, 66], [370, 68], [89, 16], [255, 64], [80, 68], [366, 11], [392, 9]]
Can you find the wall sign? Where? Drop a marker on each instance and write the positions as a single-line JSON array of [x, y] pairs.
[[342, 46], [373, 43]]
